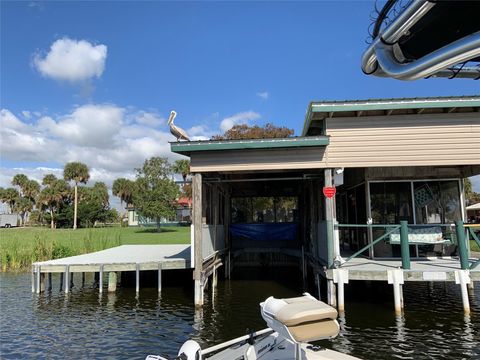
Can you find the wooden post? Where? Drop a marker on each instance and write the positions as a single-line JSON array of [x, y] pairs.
[[197, 229], [404, 246], [83, 279], [112, 281], [100, 279], [62, 275], [66, 285], [49, 281], [159, 278], [137, 278], [329, 211]]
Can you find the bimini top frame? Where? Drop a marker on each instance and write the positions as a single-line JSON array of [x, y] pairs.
[[386, 55]]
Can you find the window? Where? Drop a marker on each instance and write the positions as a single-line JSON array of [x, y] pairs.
[[437, 202], [264, 209]]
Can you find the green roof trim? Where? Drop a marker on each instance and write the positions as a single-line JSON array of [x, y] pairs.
[[186, 147], [387, 104]]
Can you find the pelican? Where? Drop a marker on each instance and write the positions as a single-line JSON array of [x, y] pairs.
[[179, 133]]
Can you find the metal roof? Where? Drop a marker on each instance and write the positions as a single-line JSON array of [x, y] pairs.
[[328, 108], [187, 147]]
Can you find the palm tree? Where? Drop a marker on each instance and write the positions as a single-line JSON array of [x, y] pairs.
[[123, 188], [22, 206], [49, 179], [78, 172], [52, 196], [10, 196], [182, 167], [20, 180]]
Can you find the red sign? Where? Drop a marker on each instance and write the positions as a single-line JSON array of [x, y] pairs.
[[329, 191]]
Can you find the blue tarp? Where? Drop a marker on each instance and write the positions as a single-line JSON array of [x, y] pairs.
[[265, 231]]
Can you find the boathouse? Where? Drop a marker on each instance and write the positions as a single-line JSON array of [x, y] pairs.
[[397, 166]]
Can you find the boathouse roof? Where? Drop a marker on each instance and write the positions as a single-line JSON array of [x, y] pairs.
[[317, 111]]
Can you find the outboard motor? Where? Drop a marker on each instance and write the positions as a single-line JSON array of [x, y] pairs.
[[190, 350]]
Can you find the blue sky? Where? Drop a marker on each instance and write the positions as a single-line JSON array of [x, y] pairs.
[[215, 63]]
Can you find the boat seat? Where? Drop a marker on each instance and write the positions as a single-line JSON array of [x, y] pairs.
[[305, 318]]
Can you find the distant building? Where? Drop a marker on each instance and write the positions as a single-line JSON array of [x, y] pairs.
[[182, 216]]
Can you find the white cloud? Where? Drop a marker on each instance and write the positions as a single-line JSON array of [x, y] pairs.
[[240, 118], [72, 60], [26, 114], [149, 119], [88, 125], [263, 95]]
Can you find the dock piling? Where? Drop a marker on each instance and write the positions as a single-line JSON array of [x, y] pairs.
[[340, 277], [462, 278], [38, 286], [67, 279], [49, 281], [331, 293], [137, 278], [395, 277], [33, 279], [112, 281], [100, 279]]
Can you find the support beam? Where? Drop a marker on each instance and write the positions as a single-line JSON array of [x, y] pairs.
[[49, 281], [33, 279], [112, 281], [38, 286], [395, 278], [462, 278], [331, 293], [100, 279], [329, 217], [404, 246], [83, 279], [66, 283], [197, 238], [340, 277], [137, 278]]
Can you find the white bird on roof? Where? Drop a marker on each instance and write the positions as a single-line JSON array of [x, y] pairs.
[[176, 131]]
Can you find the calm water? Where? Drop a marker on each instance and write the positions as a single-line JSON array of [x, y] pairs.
[[122, 326]]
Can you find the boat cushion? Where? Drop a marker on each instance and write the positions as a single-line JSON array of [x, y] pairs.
[[313, 331], [303, 310]]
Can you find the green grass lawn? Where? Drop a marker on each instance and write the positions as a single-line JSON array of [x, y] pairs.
[[19, 247], [474, 246]]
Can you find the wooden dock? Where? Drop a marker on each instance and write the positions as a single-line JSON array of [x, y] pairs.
[[121, 258], [442, 269]]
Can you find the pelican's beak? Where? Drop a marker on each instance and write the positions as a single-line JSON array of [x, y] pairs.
[[172, 116]]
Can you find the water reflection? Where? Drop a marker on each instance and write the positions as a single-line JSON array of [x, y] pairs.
[[84, 324]]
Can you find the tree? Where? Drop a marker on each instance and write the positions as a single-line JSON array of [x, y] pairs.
[[471, 196], [20, 180], [78, 172], [10, 196], [49, 179], [123, 188], [23, 206], [155, 193], [182, 167], [53, 196], [269, 131]]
